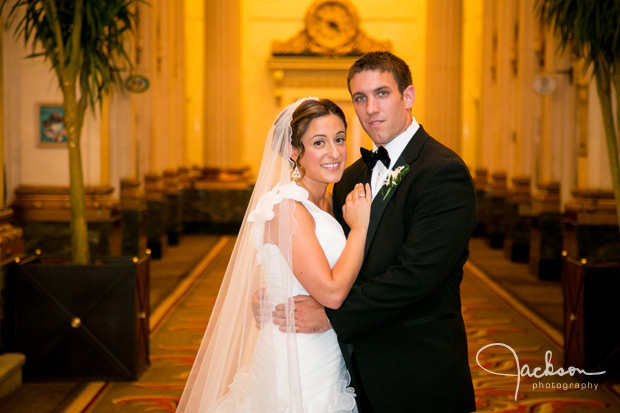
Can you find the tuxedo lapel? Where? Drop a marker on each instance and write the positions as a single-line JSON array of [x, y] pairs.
[[378, 207], [409, 155]]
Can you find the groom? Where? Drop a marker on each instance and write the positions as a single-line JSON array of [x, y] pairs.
[[401, 328]]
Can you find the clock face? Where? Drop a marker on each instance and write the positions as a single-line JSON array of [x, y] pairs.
[[331, 23]]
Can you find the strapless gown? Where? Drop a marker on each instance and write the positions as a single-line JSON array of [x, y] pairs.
[[323, 377]]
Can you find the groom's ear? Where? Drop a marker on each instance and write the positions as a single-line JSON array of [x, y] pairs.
[[409, 96]]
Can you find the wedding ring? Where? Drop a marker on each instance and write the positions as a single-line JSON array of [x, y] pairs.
[[362, 195]]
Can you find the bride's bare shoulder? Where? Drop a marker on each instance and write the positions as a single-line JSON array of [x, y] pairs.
[[292, 212]]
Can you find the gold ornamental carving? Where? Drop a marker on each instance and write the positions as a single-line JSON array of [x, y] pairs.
[[331, 29]]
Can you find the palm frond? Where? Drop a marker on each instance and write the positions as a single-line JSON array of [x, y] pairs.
[[101, 58], [591, 27]]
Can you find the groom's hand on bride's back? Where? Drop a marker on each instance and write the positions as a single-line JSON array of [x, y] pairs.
[[309, 315]]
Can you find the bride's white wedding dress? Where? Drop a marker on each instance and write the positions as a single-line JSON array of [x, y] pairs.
[[324, 379]]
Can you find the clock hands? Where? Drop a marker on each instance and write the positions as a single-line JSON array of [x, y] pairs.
[[332, 24]]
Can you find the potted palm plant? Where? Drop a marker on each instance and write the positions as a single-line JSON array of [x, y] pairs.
[[62, 307], [591, 29], [84, 43]]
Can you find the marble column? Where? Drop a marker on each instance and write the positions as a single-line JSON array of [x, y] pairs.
[[556, 149], [487, 145], [444, 70], [222, 100], [527, 113]]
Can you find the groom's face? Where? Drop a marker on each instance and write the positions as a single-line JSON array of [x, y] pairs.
[[382, 110]]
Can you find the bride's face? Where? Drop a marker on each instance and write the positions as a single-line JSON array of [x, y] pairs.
[[325, 150]]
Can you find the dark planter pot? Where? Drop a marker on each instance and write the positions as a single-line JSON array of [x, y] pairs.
[[81, 323], [591, 314]]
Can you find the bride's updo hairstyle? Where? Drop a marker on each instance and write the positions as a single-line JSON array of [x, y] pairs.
[[305, 113]]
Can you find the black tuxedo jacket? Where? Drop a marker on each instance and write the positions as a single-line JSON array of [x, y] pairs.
[[403, 316]]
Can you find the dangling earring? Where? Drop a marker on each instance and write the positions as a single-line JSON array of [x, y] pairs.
[[296, 175]]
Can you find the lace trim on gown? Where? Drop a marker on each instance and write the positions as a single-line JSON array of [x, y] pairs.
[[239, 398]]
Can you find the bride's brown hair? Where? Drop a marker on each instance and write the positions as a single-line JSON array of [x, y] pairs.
[[304, 115]]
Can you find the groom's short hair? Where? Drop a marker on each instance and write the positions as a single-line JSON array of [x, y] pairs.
[[383, 62]]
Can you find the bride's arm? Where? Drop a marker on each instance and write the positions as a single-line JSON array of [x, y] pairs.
[[326, 285]]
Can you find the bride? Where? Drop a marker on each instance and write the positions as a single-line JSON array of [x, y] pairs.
[[289, 244]]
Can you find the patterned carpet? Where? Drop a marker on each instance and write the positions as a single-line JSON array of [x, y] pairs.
[[501, 340]]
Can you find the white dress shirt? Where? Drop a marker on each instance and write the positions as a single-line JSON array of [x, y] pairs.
[[395, 148]]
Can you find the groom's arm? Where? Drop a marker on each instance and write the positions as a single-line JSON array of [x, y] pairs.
[[441, 221]]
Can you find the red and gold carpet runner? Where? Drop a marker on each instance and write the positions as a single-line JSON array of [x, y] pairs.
[[505, 343]]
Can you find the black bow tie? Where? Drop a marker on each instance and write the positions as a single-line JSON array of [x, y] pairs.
[[371, 158]]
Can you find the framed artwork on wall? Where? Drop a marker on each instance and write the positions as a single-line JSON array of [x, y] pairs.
[[52, 132]]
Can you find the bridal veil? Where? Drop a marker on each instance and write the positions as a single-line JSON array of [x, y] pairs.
[[231, 334]]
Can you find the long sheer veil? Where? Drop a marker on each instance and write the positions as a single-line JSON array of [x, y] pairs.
[[232, 332]]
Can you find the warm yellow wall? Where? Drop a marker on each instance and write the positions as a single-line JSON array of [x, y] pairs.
[[402, 22], [28, 83]]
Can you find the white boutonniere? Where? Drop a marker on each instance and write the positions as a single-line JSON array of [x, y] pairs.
[[392, 179]]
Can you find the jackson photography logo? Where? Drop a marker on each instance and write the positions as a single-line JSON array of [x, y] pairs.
[[539, 372]]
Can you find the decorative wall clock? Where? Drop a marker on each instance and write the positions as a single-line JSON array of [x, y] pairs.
[[331, 29]]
